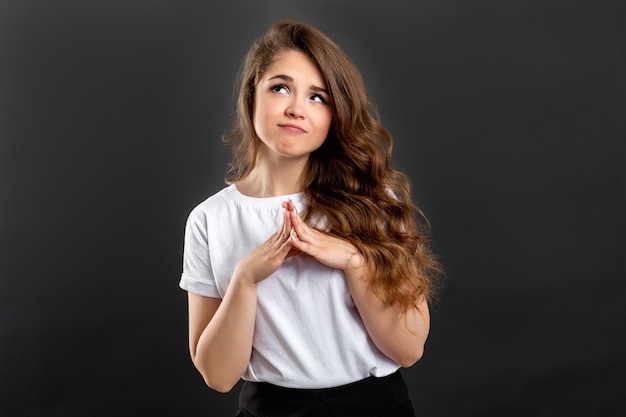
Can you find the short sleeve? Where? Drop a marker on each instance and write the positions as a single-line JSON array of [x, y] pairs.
[[197, 275]]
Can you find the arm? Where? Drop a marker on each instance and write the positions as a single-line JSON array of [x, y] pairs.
[[220, 334], [221, 331], [399, 336]]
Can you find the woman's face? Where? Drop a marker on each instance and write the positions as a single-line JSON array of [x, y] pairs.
[[292, 111]]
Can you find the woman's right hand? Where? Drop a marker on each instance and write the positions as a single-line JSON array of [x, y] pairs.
[[269, 256], [221, 331]]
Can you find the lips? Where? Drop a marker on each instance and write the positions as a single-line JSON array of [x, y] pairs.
[[292, 128]]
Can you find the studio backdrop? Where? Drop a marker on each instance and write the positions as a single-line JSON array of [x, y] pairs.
[[507, 116]]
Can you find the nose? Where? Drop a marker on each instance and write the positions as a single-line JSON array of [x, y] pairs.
[[295, 109]]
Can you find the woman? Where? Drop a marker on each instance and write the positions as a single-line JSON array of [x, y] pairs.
[[307, 276]]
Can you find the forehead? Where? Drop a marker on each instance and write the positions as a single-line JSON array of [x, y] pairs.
[[297, 65]]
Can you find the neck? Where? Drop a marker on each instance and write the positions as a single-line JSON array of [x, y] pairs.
[[273, 178]]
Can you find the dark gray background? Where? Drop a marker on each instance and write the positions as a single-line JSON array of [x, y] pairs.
[[507, 115]]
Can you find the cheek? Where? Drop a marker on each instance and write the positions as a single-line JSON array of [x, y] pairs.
[[327, 123], [257, 118]]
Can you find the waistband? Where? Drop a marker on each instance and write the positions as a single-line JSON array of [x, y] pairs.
[[368, 397]]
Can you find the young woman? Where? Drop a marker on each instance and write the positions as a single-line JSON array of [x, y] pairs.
[[307, 276]]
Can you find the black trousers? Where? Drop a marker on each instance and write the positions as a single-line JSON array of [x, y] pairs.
[[370, 397]]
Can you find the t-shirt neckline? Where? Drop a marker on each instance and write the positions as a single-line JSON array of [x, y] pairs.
[[265, 201]]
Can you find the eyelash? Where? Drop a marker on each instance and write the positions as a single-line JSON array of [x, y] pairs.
[[322, 99], [278, 87]]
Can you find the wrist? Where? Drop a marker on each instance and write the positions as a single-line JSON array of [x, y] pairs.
[[356, 261], [355, 264], [243, 279]]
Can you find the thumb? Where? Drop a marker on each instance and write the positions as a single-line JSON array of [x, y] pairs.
[[297, 243]]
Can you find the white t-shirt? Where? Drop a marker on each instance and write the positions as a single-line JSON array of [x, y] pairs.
[[308, 332]]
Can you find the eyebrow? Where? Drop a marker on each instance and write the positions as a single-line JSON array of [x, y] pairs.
[[290, 79]]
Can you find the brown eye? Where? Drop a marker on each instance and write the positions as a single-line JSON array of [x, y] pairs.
[[280, 89], [319, 99]]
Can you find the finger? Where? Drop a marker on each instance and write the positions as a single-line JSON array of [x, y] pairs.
[[282, 233], [286, 224], [298, 243], [285, 248], [293, 252], [302, 230]]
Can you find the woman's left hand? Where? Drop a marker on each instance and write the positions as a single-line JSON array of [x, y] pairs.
[[329, 250], [399, 335]]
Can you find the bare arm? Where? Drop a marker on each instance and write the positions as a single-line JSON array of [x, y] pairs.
[[221, 331], [220, 335], [399, 336]]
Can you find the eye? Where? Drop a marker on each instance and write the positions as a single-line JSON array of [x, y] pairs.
[[318, 98], [280, 89]]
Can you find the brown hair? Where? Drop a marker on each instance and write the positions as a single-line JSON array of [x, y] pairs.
[[348, 181]]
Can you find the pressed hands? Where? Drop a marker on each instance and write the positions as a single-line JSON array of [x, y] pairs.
[[295, 237], [221, 330], [400, 335]]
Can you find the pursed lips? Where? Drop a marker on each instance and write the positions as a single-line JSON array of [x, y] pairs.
[[292, 128]]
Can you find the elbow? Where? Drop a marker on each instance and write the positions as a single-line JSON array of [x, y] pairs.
[[410, 358], [220, 386], [216, 381]]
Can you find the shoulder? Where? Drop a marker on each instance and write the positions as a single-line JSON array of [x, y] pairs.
[[211, 206], [215, 201]]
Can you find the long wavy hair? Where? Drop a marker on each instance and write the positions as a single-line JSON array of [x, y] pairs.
[[349, 183]]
